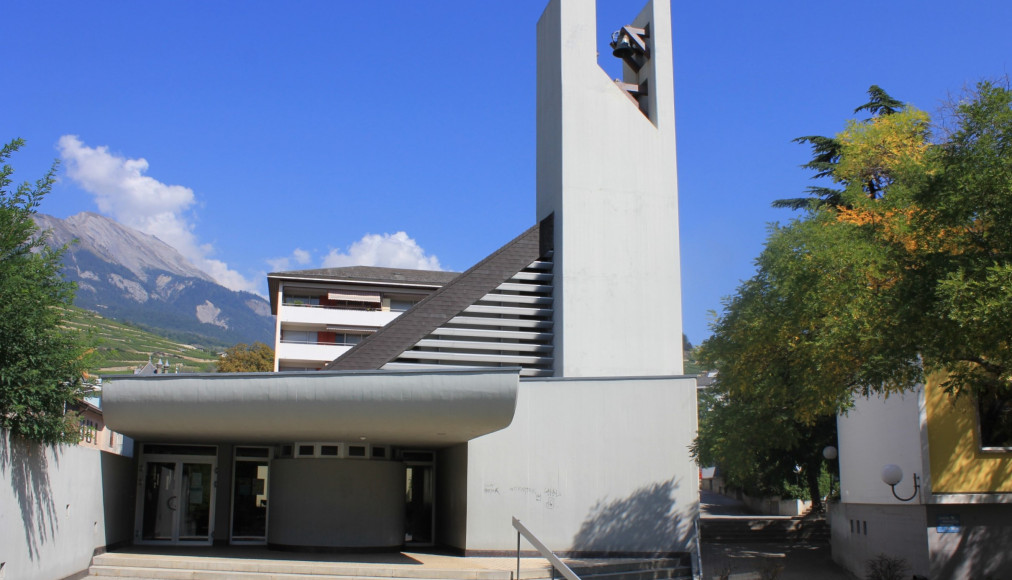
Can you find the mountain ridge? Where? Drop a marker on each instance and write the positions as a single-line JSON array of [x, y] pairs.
[[125, 274]]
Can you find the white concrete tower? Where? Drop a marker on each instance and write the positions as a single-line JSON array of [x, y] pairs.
[[606, 169]]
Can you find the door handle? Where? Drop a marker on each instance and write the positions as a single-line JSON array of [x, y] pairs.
[[169, 504]]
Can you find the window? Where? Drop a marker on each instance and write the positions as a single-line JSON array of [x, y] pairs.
[[334, 450], [254, 452], [347, 339], [298, 336], [401, 304], [995, 418], [296, 300]]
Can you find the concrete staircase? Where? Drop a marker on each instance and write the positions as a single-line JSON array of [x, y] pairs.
[[126, 566], [764, 529]]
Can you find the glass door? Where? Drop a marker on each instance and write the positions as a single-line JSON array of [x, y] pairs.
[[249, 495], [419, 496], [176, 500], [160, 501]]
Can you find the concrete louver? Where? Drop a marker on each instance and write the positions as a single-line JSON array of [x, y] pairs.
[[510, 326], [497, 314]]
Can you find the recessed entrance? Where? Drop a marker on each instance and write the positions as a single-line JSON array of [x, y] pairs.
[[176, 495], [249, 495], [419, 523]]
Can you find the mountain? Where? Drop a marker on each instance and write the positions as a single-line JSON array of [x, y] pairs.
[[120, 348], [127, 275]]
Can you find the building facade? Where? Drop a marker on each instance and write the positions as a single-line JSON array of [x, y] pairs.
[[950, 516], [544, 383], [320, 314]]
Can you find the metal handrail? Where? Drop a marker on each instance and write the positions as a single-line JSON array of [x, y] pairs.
[[543, 549]]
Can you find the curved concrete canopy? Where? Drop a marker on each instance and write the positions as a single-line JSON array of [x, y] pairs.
[[398, 408]]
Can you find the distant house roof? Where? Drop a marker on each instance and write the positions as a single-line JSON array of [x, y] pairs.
[[359, 274]]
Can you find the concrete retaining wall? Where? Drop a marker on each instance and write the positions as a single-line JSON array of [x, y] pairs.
[[591, 466], [58, 505]]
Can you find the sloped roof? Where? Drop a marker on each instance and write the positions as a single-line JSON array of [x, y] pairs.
[[375, 274], [439, 307], [372, 274]]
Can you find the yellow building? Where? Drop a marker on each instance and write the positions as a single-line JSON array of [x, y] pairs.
[[950, 513]]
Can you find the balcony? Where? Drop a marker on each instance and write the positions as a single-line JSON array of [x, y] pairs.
[[324, 353], [339, 317]]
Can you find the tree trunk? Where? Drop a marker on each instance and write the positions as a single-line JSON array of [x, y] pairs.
[[812, 477]]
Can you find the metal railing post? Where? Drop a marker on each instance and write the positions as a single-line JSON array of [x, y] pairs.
[[518, 554], [549, 555]]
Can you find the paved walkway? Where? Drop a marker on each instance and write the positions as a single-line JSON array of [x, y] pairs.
[[428, 564], [798, 561], [374, 560], [713, 504], [748, 561]]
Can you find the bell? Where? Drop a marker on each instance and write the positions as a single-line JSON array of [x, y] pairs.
[[621, 46]]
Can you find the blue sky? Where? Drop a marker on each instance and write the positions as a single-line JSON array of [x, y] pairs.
[[257, 136]]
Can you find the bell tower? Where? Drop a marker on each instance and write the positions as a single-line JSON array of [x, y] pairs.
[[606, 171]]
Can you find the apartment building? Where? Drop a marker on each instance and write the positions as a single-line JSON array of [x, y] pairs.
[[322, 313]]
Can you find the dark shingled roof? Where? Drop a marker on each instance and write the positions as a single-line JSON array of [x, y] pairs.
[[373, 274], [376, 274], [403, 332]]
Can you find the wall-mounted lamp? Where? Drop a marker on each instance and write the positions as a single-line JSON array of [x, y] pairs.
[[892, 474], [830, 453]]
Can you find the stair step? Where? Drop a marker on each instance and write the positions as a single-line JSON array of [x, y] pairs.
[[652, 574], [121, 566], [133, 572]]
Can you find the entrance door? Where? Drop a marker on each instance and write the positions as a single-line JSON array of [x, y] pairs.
[[419, 496], [249, 495], [176, 500]]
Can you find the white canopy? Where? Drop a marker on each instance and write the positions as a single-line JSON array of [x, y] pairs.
[[427, 408]]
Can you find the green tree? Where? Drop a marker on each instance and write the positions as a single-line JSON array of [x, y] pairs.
[[902, 267], [247, 358], [41, 361], [760, 447]]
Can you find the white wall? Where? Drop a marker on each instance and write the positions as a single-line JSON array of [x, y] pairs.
[[336, 503], [879, 431], [594, 465], [869, 520], [608, 173], [55, 509], [861, 532], [451, 496]]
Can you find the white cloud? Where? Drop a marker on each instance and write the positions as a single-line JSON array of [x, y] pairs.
[[123, 192], [299, 257], [389, 250]]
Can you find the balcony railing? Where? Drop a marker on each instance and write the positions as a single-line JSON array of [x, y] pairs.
[[335, 306], [321, 315], [320, 342]]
